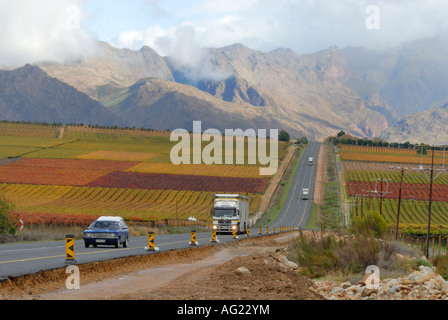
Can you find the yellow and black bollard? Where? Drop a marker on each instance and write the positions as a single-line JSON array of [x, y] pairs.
[[234, 234], [151, 242], [259, 231], [267, 230], [214, 239], [193, 241], [70, 249], [248, 232], [273, 229]]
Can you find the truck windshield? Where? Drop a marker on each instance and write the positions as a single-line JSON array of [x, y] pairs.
[[224, 212]]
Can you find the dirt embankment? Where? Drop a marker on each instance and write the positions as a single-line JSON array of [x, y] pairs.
[[249, 269]]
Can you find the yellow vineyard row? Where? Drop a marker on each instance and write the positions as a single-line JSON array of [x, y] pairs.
[[145, 204]]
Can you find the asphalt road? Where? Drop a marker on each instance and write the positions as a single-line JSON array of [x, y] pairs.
[[296, 211], [27, 258]]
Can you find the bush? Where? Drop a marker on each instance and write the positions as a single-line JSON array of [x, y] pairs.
[[348, 254], [358, 253], [441, 264], [371, 224], [316, 257]]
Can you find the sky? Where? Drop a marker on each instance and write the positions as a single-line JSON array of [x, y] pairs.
[[34, 30]]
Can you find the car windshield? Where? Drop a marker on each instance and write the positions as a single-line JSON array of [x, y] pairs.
[[224, 212], [105, 225]]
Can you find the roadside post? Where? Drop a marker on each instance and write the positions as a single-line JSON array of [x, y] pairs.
[[214, 239], [21, 223], [151, 242], [193, 241], [70, 249]]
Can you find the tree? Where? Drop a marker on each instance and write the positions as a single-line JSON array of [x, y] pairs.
[[341, 133], [6, 225], [283, 136], [302, 140]]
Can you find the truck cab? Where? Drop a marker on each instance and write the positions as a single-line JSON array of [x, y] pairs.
[[310, 161], [230, 213], [305, 193]]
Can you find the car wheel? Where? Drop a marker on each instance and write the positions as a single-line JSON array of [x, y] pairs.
[[87, 245], [125, 243]]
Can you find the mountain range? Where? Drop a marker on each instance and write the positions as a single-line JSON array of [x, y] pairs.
[[360, 91], [428, 127]]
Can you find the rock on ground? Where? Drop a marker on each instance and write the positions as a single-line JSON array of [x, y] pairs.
[[423, 284]]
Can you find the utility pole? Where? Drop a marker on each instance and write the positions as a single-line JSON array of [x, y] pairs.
[[380, 193], [362, 196], [431, 180], [399, 204], [399, 200]]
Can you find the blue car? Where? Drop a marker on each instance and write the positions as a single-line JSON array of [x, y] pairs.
[[109, 231]]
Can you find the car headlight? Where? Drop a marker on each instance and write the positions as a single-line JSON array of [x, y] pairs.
[[89, 235], [112, 235]]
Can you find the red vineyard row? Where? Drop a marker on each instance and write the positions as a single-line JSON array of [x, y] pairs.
[[110, 174], [58, 171], [106, 165], [52, 219], [409, 191], [155, 181]]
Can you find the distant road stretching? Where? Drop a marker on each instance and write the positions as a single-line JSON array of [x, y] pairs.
[[296, 211]]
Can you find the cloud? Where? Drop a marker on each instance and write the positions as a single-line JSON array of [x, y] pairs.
[[180, 45], [189, 57], [305, 26], [155, 9], [36, 30]]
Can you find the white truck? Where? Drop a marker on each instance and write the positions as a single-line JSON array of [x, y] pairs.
[[230, 212], [305, 193], [310, 161]]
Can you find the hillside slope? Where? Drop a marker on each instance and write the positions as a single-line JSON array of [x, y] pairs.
[[29, 94]]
